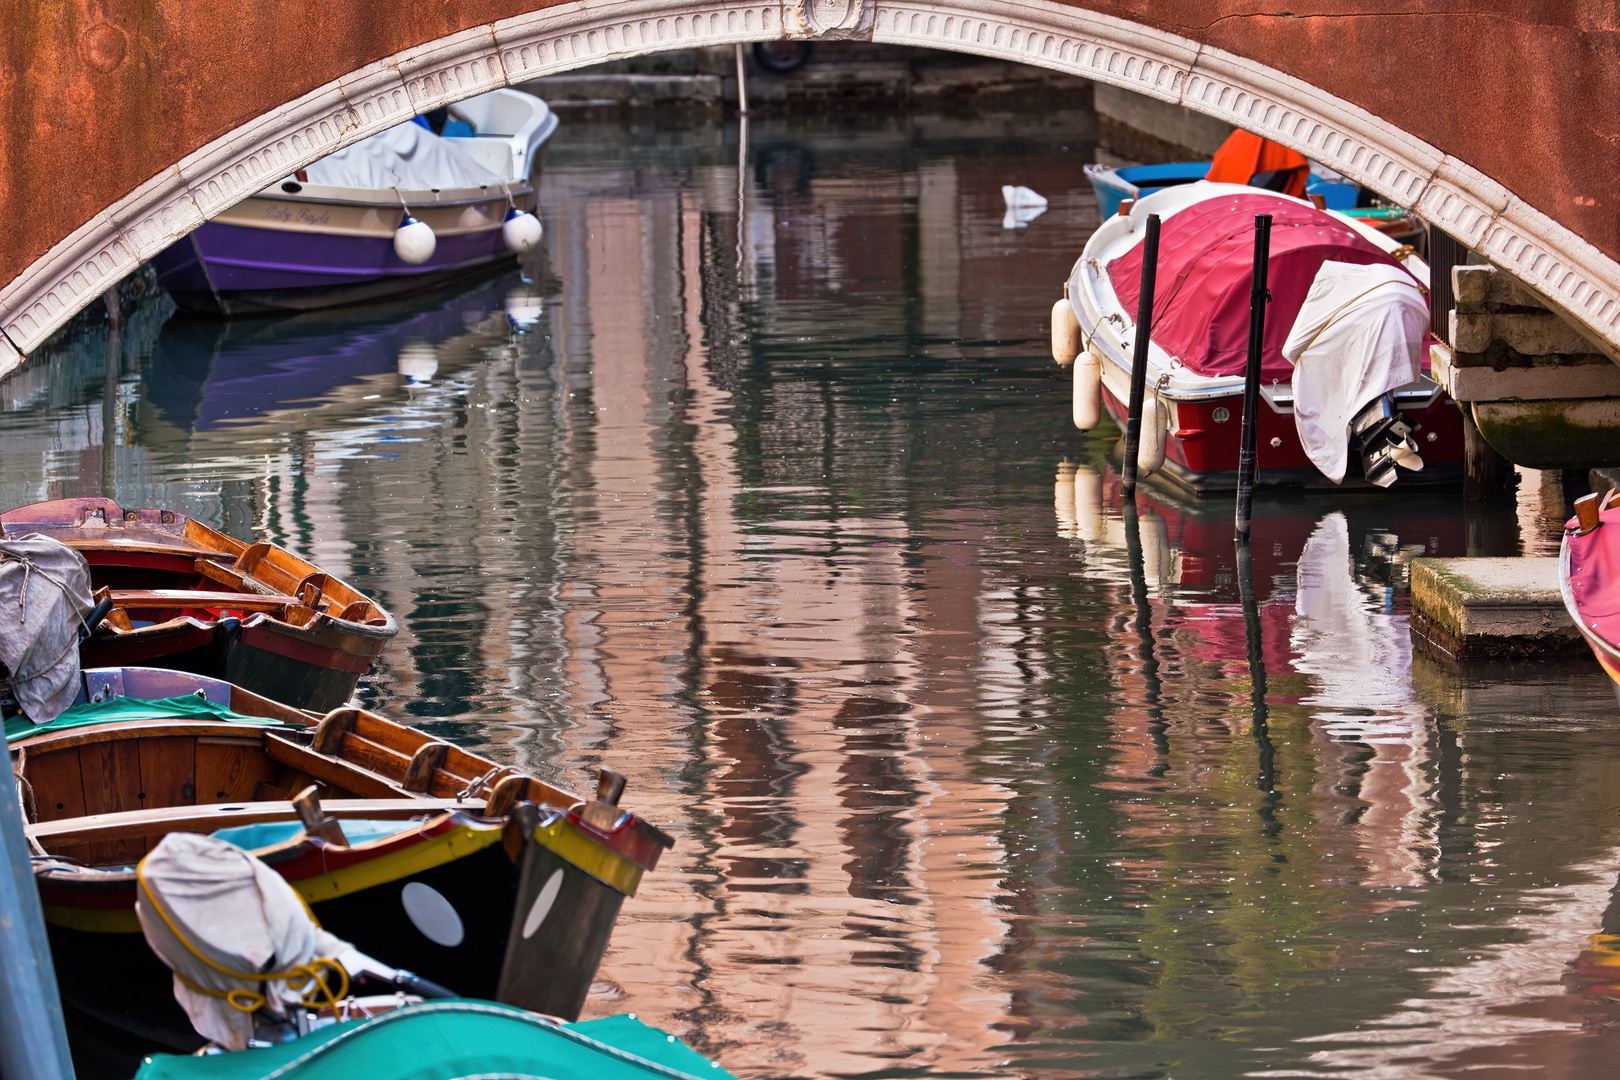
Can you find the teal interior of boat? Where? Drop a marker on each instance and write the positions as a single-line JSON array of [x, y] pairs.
[[265, 834]]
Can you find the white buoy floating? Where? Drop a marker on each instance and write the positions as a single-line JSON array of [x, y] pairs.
[[521, 230], [414, 240], [1088, 390]]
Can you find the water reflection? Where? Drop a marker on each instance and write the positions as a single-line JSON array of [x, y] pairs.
[[970, 774]]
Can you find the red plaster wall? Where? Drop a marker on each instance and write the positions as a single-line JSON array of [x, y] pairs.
[[100, 95], [1527, 92]]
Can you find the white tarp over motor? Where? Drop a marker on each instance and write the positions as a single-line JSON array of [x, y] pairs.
[[44, 594], [237, 912], [408, 157], [1359, 334]]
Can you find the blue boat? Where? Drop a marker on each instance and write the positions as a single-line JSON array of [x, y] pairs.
[[1113, 186]]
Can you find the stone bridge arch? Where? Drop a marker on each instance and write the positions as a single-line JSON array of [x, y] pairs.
[[219, 114]]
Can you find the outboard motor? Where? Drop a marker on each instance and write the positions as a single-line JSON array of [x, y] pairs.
[[250, 963], [1383, 439]]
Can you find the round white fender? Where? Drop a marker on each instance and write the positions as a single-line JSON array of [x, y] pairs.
[[1088, 391], [1150, 451], [1065, 333], [414, 241], [521, 230]]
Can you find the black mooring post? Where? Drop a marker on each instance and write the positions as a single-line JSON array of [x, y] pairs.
[[1251, 376], [1139, 357]]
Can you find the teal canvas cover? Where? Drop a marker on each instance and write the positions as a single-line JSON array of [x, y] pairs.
[[442, 1040], [125, 710]]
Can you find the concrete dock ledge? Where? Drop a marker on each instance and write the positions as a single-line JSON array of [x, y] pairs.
[[1490, 609]]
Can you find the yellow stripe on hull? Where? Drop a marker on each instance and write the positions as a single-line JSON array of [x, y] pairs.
[[608, 867], [459, 842], [94, 920]]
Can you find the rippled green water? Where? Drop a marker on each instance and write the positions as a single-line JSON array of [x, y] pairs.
[[785, 519]]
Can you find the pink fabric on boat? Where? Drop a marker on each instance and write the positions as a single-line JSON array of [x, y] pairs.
[[1206, 254], [1594, 576]]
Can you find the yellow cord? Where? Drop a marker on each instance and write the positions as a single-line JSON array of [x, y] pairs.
[[247, 1000], [1341, 309]]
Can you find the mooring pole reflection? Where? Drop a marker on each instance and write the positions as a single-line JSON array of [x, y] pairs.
[[1152, 686], [1266, 775]]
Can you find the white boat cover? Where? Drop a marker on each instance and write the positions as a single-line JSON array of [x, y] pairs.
[[1359, 334], [44, 595], [408, 157], [236, 911]]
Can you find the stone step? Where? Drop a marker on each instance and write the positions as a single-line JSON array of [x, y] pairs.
[[1491, 609]]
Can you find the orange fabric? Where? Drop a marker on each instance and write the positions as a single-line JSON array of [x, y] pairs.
[[1243, 155]]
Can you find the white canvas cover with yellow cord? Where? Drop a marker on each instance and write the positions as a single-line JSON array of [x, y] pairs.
[[1359, 335], [242, 916]]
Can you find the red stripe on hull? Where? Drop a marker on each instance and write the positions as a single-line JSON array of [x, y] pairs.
[[1205, 445], [267, 637]]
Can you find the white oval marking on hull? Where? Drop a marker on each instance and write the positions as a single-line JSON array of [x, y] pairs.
[[542, 903], [432, 914]]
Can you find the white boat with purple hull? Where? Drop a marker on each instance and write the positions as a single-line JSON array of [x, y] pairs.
[[398, 211]]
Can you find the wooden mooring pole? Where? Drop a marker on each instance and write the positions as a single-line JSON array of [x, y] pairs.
[[1139, 358], [1258, 295]]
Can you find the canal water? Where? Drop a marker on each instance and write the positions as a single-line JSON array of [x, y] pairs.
[[759, 485]]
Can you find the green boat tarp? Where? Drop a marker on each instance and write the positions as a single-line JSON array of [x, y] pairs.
[[124, 710], [442, 1040]]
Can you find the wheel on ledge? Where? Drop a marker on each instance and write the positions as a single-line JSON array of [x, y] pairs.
[[781, 56]]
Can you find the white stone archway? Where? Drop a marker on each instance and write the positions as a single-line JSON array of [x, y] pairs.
[[1574, 277]]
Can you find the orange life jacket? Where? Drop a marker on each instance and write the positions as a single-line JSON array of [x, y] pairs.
[[1245, 158]]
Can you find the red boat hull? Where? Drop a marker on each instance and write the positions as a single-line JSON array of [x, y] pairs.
[[1201, 452]]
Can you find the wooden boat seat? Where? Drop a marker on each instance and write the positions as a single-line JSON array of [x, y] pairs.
[[132, 824], [165, 599], [142, 778]]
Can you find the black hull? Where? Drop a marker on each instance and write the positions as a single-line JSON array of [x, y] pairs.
[[123, 994], [299, 683]]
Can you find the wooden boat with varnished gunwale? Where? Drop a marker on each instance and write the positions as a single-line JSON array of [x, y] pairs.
[[470, 874], [187, 597]]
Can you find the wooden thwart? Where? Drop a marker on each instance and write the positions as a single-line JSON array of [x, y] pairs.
[[102, 828], [200, 598]]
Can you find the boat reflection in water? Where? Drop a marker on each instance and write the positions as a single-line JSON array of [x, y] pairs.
[[215, 383], [1325, 619]]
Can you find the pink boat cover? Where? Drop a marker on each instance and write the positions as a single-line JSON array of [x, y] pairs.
[[1594, 575], [1206, 255]]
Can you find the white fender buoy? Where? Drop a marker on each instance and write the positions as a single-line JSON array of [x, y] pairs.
[[414, 240], [1150, 451], [1088, 405], [1065, 333], [521, 230]]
